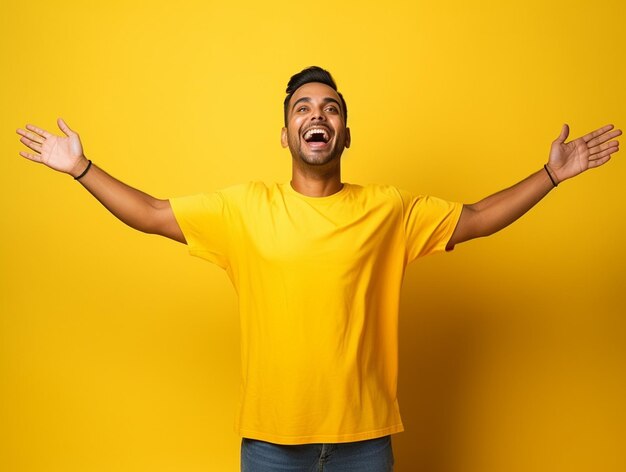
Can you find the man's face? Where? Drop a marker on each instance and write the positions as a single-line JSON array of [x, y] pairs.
[[316, 132]]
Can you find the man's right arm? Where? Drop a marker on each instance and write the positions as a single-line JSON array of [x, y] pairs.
[[134, 207]]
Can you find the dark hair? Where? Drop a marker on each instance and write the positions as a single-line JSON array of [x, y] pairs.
[[306, 76]]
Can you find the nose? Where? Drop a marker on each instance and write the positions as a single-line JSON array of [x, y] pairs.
[[318, 114]]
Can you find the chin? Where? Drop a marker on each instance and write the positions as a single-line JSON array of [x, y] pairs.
[[317, 160], [320, 159]]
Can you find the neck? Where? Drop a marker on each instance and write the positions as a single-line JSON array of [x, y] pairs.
[[316, 182]]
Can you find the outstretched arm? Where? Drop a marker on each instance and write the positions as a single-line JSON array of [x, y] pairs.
[[135, 208], [566, 161]]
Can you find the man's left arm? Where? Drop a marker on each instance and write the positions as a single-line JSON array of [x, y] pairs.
[[566, 160]]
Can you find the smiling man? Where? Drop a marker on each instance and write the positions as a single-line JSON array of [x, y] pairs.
[[319, 139], [317, 264]]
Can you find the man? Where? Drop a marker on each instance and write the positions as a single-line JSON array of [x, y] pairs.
[[317, 264]]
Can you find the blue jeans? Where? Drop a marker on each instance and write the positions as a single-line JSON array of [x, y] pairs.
[[372, 455]]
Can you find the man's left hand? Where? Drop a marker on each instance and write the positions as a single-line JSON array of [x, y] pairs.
[[591, 150]]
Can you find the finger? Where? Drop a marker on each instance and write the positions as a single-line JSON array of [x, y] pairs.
[[35, 146], [564, 134], [32, 157], [588, 137], [605, 137], [603, 146], [32, 136], [599, 162], [63, 127], [604, 153], [39, 131]]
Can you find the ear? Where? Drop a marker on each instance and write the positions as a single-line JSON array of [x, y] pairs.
[[284, 141], [348, 138]]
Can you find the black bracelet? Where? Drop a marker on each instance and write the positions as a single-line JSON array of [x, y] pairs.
[[84, 172], [545, 166]]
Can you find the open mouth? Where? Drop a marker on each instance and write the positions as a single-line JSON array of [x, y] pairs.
[[317, 135]]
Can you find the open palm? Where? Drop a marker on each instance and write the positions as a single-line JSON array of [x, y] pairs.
[[591, 150], [62, 153]]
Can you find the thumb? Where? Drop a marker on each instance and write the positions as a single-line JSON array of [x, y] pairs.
[[63, 127], [564, 134]]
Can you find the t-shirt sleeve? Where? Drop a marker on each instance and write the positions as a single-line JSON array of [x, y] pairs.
[[429, 223], [203, 220]]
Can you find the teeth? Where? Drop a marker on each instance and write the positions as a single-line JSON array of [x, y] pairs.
[[310, 132]]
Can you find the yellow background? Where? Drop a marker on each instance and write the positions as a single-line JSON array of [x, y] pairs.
[[118, 352]]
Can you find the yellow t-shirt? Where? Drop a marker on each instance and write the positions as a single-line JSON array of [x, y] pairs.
[[318, 281]]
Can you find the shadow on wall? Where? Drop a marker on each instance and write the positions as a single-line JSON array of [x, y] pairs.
[[439, 331]]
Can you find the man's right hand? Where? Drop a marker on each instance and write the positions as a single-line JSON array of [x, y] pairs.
[[62, 153]]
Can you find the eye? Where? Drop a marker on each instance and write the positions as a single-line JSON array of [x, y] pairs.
[[302, 108], [332, 109]]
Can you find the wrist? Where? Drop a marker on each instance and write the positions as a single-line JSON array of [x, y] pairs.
[[80, 167], [552, 175]]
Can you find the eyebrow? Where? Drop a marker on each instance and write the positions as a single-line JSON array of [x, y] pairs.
[[308, 100]]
